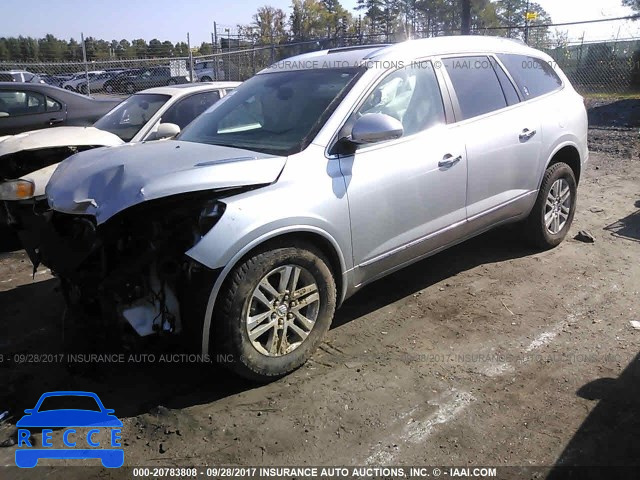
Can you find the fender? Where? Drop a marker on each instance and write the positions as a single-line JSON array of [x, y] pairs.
[[206, 326], [565, 141]]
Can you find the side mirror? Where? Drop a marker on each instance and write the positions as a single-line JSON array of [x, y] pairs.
[[165, 130], [375, 127]]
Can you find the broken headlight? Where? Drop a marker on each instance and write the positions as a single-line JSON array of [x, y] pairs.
[[17, 190]]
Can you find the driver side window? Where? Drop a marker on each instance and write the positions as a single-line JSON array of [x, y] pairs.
[[410, 95]]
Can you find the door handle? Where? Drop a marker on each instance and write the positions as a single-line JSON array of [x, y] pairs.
[[54, 121], [448, 161], [526, 134]]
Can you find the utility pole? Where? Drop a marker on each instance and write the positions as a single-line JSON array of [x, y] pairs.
[[466, 18], [84, 58], [526, 24]]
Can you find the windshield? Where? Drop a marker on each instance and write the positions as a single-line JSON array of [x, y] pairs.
[[277, 113], [128, 118]]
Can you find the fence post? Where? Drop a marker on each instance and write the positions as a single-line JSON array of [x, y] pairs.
[[190, 57], [84, 59], [215, 50]]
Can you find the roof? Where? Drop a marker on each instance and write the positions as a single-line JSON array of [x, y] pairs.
[[357, 56], [183, 89]]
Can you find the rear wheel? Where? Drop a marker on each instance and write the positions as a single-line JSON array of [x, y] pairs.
[[552, 215], [108, 89], [273, 311], [130, 88], [172, 81], [205, 79]]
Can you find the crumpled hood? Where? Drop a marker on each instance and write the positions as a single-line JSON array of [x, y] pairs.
[[57, 137], [106, 181]]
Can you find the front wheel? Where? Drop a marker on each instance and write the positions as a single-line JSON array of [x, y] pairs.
[[273, 311], [551, 217]]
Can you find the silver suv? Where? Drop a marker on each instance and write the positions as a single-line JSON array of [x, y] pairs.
[[312, 179]]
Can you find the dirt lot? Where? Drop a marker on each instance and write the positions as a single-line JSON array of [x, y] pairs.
[[487, 354]]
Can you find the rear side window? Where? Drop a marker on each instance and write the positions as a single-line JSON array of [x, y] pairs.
[[476, 85], [533, 76]]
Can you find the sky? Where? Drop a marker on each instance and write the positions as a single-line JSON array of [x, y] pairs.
[[171, 19]]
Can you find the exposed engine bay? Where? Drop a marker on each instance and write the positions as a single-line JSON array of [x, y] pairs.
[[131, 271]]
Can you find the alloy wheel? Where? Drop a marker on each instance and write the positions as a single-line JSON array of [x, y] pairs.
[[283, 310], [558, 206]]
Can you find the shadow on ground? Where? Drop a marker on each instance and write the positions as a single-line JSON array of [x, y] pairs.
[[627, 227], [609, 435], [31, 317]]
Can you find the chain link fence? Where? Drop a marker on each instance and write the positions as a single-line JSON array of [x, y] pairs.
[[606, 68]]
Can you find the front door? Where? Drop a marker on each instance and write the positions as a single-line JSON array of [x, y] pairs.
[[406, 196]]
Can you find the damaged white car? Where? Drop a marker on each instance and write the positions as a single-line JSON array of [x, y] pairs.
[[28, 160]]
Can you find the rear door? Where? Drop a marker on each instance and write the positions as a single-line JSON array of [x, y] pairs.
[[23, 110], [502, 136]]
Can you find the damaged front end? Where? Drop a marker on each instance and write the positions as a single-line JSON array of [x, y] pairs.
[[130, 274], [121, 222]]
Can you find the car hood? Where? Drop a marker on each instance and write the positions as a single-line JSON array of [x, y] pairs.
[[57, 137], [106, 181]]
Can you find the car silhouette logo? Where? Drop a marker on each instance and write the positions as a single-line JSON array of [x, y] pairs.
[[97, 420]]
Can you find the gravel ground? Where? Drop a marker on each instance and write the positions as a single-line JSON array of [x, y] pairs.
[[487, 354]]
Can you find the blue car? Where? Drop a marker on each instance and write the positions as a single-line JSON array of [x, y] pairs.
[[100, 418]]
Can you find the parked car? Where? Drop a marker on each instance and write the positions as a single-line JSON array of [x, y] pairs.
[[80, 78], [20, 76], [116, 84], [27, 161], [311, 180], [96, 83], [30, 106], [206, 71], [50, 80], [152, 77]]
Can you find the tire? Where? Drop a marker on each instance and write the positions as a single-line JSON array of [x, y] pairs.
[[69, 87], [231, 339], [83, 89], [130, 88], [172, 82], [205, 79], [108, 89], [536, 229]]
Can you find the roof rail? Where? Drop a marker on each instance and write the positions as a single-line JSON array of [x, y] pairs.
[[358, 47]]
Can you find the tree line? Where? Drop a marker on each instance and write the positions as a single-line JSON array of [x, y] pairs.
[[376, 20]]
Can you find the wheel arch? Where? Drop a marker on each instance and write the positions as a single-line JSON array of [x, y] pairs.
[[287, 236], [567, 153]]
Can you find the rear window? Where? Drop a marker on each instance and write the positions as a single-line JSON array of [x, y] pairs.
[[476, 85], [534, 76]]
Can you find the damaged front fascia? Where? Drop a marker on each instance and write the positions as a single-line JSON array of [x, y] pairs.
[[133, 268], [64, 242]]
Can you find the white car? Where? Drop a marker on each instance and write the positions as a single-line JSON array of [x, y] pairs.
[[79, 78], [204, 71], [148, 115]]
